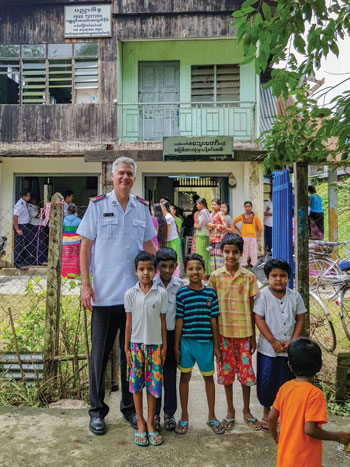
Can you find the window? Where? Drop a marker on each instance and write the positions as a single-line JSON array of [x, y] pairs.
[[47, 73], [215, 83]]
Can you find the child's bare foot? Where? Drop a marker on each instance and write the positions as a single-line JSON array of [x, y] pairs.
[[181, 427], [252, 421]]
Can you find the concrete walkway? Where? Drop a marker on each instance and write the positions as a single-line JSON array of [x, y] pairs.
[[60, 438]]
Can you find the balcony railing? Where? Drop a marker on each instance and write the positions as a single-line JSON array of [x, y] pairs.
[[151, 121]]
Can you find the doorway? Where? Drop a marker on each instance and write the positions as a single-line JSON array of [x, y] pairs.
[[159, 82], [180, 189]]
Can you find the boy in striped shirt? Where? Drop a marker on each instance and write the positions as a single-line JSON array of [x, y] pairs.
[[196, 338]]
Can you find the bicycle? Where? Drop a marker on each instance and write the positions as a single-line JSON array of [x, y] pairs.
[[323, 269]]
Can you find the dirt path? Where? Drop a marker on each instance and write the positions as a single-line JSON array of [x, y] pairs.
[[60, 438]]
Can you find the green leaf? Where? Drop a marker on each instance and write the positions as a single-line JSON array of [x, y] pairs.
[[247, 3], [266, 10], [242, 29]]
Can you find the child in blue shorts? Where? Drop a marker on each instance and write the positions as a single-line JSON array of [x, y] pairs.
[[145, 344], [196, 338]]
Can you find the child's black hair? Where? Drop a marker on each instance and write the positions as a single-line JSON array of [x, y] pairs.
[[248, 202], [145, 256], [305, 357], [194, 257], [217, 201], [232, 239], [277, 263], [166, 254], [202, 201]]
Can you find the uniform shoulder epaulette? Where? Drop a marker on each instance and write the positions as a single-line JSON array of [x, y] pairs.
[[143, 201], [97, 198]]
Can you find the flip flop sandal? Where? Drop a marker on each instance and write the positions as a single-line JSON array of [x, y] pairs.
[[216, 427], [152, 436], [265, 424], [144, 438], [251, 422], [181, 427], [156, 422], [228, 423], [169, 423]]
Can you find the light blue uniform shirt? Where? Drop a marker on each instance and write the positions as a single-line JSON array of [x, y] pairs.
[[21, 211], [315, 203], [118, 237]]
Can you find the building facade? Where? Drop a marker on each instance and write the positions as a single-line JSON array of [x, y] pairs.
[[70, 105]]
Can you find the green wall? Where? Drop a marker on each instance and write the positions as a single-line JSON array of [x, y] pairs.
[[188, 52]]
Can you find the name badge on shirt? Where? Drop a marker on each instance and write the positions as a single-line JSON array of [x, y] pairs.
[[209, 302], [108, 214]]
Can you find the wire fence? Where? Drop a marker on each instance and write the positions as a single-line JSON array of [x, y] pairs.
[[24, 294]]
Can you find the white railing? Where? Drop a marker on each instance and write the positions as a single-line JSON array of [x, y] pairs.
[[151, 121]]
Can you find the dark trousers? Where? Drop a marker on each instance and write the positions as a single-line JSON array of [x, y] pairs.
[[105, 322], [21, 254], [268, 237], [169, 376]]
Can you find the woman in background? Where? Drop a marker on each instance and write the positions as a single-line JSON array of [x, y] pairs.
[[173, 239], [202, 237], [161, 227]]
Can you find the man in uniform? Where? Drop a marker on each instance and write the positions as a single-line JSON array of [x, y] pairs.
[[119, 225], [22, 232]]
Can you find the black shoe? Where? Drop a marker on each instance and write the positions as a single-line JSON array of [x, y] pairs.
[[97, 426], [133, 421]]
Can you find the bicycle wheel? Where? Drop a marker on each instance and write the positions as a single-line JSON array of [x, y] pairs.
[[321, 326], [322, 272], [345, 308]]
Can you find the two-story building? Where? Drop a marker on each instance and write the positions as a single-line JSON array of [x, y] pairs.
[[84, 82]]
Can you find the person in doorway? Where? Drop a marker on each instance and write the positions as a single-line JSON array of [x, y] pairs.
[[71, 243], [268, 223], [38, 238], [216, 229], [196, 339], [236, 288], [146, 344], [166, 263], [22, 232], [173, 239], [202, 237], [316, 214], [279, 316], [250, 231], [161, 227], [302, 410], [119, 225], [68, 199]]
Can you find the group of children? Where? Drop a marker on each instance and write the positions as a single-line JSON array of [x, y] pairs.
[[171, 325]]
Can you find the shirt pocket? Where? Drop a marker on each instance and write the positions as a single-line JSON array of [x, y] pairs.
[[108, 228], [138, 229]]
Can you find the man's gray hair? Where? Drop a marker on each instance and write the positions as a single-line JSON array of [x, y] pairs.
[[124, 160]]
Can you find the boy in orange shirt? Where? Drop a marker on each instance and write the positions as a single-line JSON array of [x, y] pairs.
[[302, 411]]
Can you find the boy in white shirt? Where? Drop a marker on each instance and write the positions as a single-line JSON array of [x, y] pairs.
[[145, 344], [166, 262], [279, 315]]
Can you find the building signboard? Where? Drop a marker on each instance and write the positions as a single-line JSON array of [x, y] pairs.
[[206, 148], [87, 21]]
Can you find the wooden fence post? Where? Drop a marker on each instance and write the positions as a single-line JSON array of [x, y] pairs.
[[53, 291], [301, 235]]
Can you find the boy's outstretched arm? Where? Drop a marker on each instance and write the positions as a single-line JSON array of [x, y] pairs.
[[314, 431], [178, 330], [214, 328], [273, 419]]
